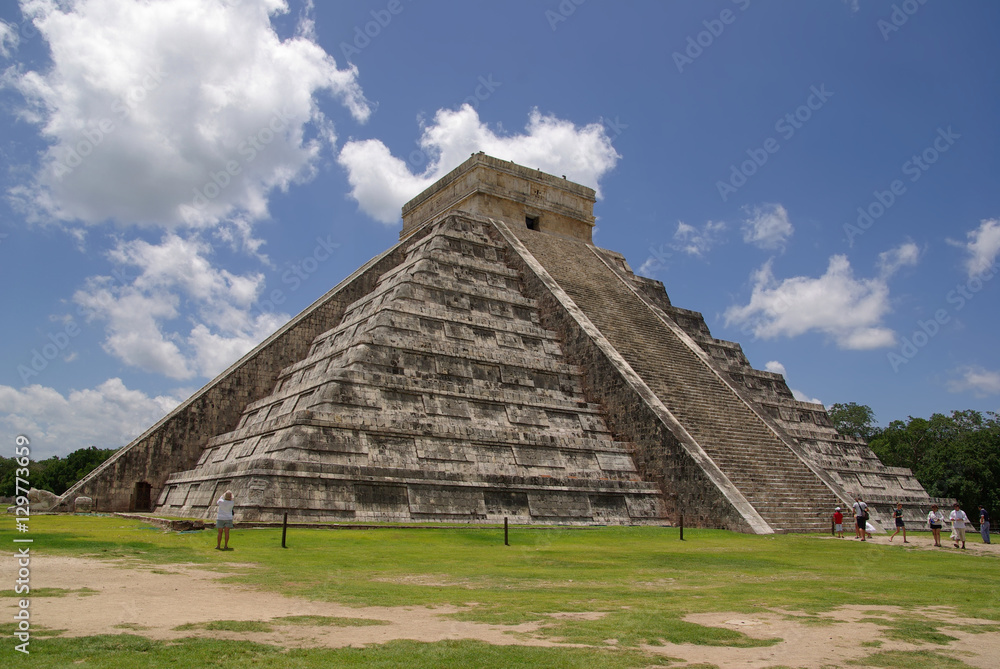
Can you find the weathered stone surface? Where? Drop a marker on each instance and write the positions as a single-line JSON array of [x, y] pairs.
[[496, 364], [83, 504], [42, 500]]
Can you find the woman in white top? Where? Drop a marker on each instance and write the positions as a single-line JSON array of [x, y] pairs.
[[935, 520], [224, 521]]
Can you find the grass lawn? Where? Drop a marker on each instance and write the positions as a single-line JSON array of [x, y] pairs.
[[642, 578]]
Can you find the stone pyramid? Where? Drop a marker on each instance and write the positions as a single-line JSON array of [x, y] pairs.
[[496, 364]]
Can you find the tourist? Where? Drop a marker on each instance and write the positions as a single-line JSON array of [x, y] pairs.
[[958, 520], [898, 516], [984, 524], [224, 521], [860, 519], [838, 522], [935, 520]]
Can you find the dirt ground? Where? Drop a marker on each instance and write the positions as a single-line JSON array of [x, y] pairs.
[[152, 601]]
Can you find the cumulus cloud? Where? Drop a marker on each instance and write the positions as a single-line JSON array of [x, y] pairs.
[[697, 242], [767, 226], [175, 112], [983, 246], [107, 416], [382, 183], [847, 309], [891, 261], [777, 368], [978, 380], [141, 312]]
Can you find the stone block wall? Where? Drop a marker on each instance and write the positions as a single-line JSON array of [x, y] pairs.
[[133, 478]]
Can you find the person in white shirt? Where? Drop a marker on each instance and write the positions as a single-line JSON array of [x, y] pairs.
[[958, 520], [935, 519], [224, 521]]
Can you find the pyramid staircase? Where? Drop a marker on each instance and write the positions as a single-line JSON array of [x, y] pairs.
[[777, 482]]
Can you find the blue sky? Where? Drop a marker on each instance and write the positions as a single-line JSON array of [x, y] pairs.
[[819, 179]]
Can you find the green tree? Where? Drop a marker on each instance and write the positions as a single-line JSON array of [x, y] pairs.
[[854, 420], [55, 474], [956, 455]]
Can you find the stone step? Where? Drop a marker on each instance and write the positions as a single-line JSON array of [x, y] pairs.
[[746, 450]]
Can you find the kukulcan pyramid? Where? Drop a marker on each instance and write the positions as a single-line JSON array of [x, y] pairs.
[[495, 363]]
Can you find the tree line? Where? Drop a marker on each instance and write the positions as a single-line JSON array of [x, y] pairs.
[[54, 474], [954, 455]]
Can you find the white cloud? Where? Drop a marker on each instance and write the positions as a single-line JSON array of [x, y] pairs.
[[381, 183], [9, 39], [767, 227], [777, 368], [891, 261], [107, 416], [802, 397], [215, 352], [141, 312], [695, 242], [147, 104], [980, 381], [983, 246], [848, 310]]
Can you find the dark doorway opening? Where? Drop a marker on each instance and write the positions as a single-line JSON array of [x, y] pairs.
[[143, 497], [531, 222]]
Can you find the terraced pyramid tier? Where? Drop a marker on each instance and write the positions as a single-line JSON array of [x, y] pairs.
[[437, 397]]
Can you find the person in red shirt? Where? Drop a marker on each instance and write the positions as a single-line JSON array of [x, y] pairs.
[[838, 522]]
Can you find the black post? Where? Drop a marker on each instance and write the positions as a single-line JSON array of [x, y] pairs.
[[505, 542], [284, 529], [682, 527]]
